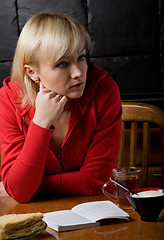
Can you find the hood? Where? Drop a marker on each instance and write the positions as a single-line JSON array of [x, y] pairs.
[[94, 77]]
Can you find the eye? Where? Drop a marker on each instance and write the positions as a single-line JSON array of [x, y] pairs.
[[62, 64], [82, 57]]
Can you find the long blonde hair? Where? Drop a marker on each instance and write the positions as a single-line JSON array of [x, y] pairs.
[[57, 34]]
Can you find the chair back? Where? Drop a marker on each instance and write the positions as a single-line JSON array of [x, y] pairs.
[[145, 115]]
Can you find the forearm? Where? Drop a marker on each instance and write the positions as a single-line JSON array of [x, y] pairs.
[[23, 173], [70, 183], [86, 181], [99, 160]]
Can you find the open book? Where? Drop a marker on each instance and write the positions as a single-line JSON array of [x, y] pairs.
[[84, 215]]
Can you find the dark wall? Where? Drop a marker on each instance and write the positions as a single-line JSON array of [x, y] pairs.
[[127, 39]]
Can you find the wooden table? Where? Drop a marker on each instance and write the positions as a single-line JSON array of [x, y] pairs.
[[134, 229]]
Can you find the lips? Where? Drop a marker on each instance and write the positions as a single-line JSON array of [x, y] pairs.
[[77, 85]]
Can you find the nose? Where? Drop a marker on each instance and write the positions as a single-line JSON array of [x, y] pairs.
[[76, 72]]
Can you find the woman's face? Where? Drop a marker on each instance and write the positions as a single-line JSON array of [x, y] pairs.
[[67, 76]]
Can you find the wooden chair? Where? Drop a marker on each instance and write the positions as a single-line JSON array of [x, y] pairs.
[[135, 114]]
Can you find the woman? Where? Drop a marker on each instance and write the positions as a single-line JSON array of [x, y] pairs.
[[60, 116]]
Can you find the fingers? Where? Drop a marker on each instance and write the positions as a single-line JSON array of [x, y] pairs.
[[41, 86], [43, 89], [57, 97], [63, 100]]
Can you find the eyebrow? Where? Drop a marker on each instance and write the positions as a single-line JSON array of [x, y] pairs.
[[82, 50], [70, 55]]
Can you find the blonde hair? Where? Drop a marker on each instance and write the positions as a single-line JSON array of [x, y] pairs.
[[57, 34]]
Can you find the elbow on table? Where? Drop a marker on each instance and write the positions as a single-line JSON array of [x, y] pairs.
[[22, 200], [22, 197]]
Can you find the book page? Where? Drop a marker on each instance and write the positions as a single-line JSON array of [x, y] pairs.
[[64, 218], [99, 210]]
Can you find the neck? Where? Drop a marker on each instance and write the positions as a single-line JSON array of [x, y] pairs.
[[67, 107]]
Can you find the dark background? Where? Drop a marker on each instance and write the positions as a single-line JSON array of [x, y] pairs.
[[127, 39]]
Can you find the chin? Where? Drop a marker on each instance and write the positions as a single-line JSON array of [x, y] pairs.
[[75, 95]]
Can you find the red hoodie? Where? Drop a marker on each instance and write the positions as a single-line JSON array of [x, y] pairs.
[[89, 151]]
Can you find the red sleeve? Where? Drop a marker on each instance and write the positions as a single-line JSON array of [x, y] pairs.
[[102, 152], [22, 160]]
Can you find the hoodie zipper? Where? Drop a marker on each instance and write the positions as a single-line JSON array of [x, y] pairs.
[[25, 121], [60, 160], [59, 157]]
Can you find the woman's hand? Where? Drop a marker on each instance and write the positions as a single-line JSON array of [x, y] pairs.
[[49, 107]]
